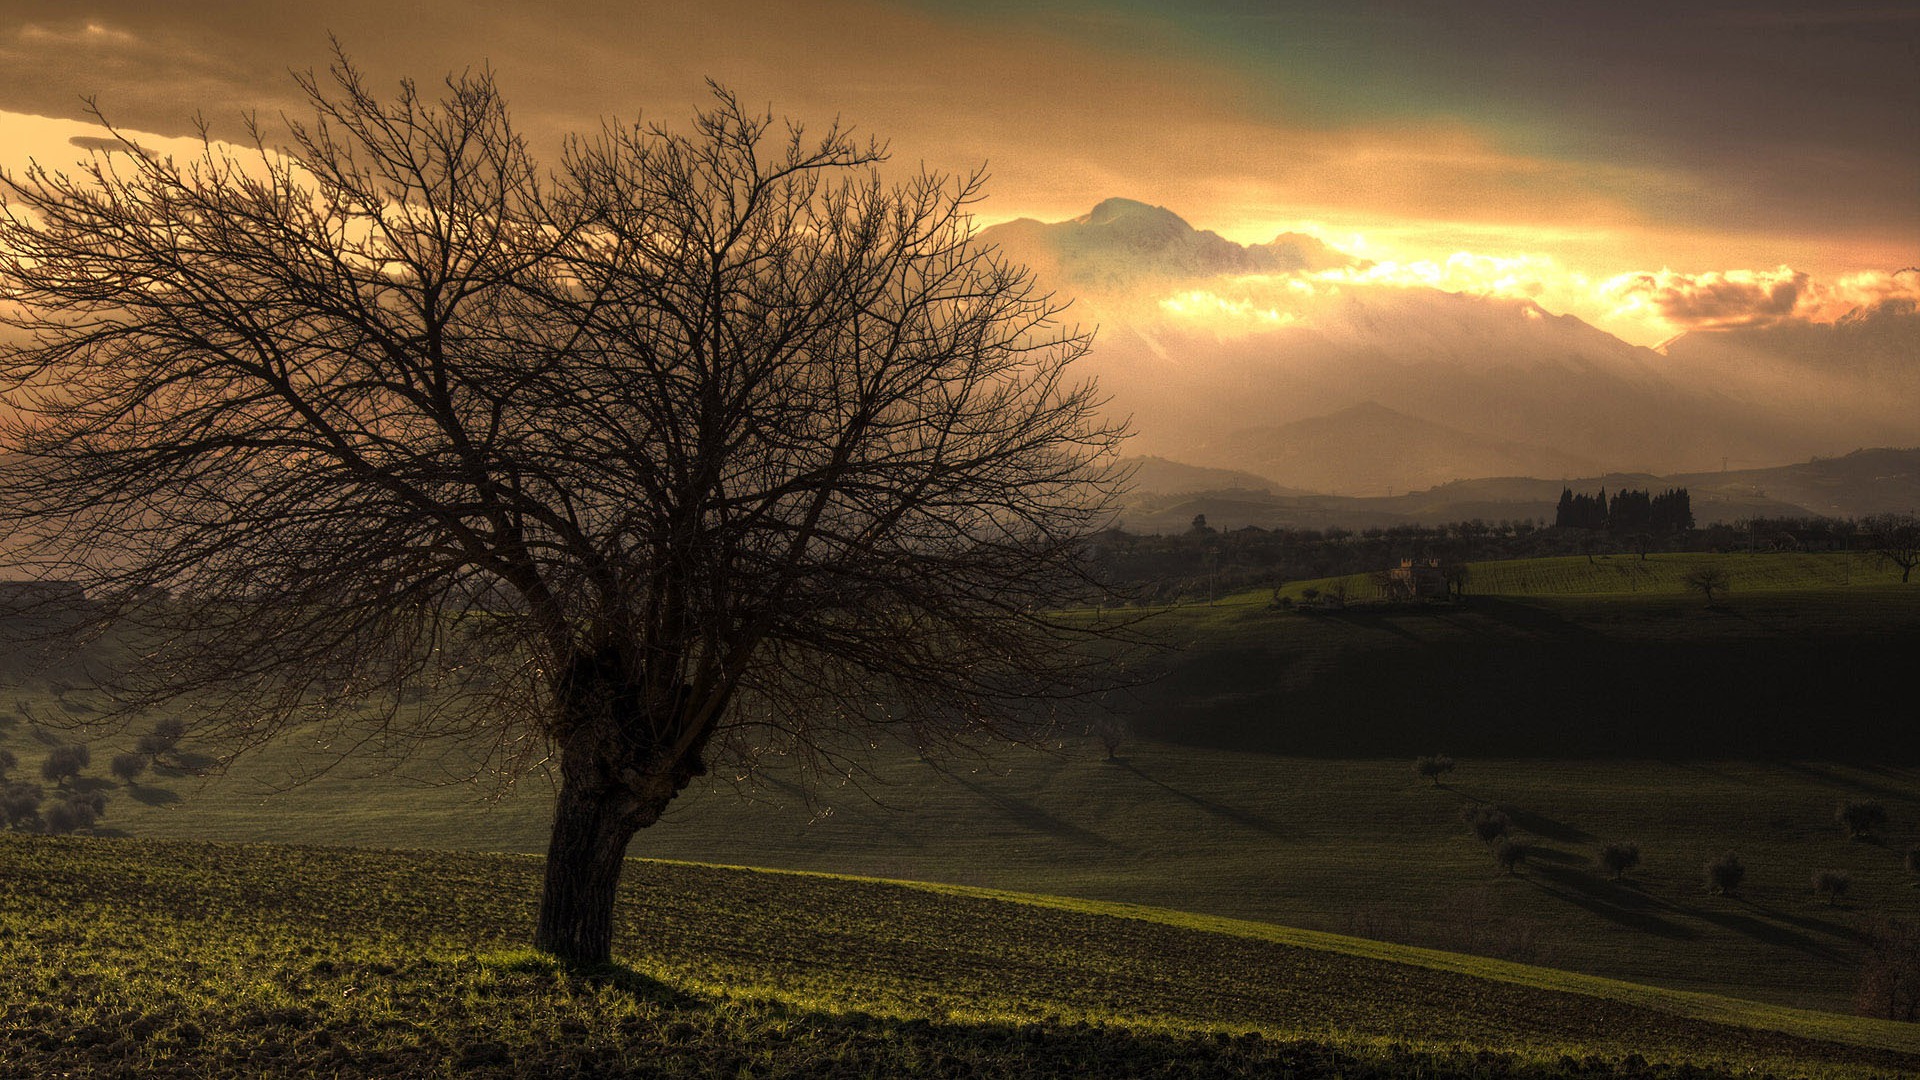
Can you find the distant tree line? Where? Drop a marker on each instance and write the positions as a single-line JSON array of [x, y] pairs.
[[1627, 512], [1204, 562]]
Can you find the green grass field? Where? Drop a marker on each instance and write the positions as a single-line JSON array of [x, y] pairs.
[[1655, 574], [1267, 777], [162, 959]]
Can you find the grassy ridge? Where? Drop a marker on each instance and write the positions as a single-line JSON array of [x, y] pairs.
[[173, 959]]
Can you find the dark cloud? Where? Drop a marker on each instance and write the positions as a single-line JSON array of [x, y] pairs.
[[1759, 117], [104, 145], [1716, 300], [1783, 298]]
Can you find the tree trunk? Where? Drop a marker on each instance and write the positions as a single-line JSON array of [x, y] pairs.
[[622, 760], [584, 856]]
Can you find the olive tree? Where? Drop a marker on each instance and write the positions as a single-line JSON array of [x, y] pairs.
[[701, 443]]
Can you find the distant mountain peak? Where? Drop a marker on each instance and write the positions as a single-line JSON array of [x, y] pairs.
[[1123, 243], [1369, 410], [1117, 209]]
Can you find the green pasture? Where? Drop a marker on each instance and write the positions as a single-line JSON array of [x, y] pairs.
[[1652, 574], [1266, 775], [168, 959]]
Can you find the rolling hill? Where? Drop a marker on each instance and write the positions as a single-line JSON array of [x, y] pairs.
[[1267, 777], [1369, 448], [1864, 482], [208, 960]]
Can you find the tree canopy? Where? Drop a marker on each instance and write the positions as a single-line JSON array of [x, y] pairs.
[[705, 443]]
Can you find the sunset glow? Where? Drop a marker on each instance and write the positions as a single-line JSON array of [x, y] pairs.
[[1731, 169]]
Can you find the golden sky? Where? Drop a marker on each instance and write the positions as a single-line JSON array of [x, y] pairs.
[[1647, 169]]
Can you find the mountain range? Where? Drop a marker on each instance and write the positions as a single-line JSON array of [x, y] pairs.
[[1166, 496], [1250, 358]]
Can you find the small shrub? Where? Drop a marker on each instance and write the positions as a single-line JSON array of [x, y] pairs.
[[1433, 767], [1489, 823], [1860, 819], [128, 767], [62, 817], [1618, 858], [1890, 975], [1725, 874], [1510, 854], [1832, 884], [20, 804], [163, 739], [73, 813], [8, 762], [65, 762]]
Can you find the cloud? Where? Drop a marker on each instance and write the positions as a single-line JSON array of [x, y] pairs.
[[103, 144], [89, 34], [1716, 300], [1522, 276], [1744, 299], [1234, 315]]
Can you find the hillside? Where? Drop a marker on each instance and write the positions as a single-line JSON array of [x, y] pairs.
[[1267, 777], [1370, 448], [1160, 476], [206, 960]]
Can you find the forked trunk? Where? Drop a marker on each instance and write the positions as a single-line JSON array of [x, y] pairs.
[[622, 760]]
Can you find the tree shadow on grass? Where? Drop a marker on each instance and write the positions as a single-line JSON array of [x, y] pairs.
[[1375, 619], [1542, 826], [1768, 933], [1827, 775], [612, 975], [184, 763], [1538, 622], [1610, 900], [1031, 817], [636, 984], [1244, 818], [1841, 931], [152, 794], [1537, 853]]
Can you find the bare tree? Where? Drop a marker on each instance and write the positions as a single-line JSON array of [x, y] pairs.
[[1707, 581], [1433, 766], [1860, 817], [1895, 539], [1619, 857], [705, 444]]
